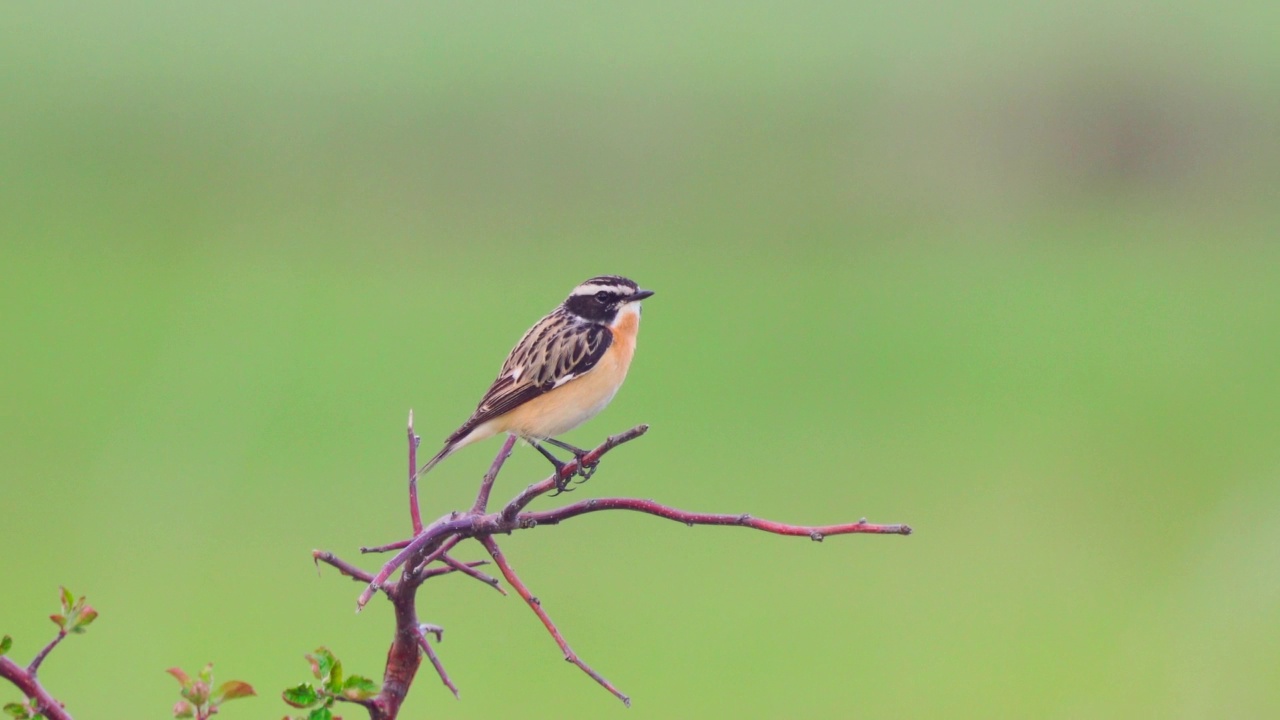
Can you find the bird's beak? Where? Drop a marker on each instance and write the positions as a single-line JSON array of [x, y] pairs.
[[639, 295]]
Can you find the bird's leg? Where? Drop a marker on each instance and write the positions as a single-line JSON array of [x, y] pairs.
[[561, 481], [586, 470]]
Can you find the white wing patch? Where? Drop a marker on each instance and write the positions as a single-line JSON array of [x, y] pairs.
[[564, 380]]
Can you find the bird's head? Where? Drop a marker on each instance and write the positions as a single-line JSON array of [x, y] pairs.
[[600, 299]]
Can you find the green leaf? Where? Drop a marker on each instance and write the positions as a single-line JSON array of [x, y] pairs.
[[68, 600], [182, 677], [333, 683], [231, 690], [301, 696], [358, 687], [321, 713], [322, 662], [60, 620], [5, 643], [15, 710], [206, 674]]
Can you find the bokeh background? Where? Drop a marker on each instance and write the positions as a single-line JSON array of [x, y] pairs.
[[1007, 272]]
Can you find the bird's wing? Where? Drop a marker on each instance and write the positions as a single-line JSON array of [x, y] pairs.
[[550, 354]]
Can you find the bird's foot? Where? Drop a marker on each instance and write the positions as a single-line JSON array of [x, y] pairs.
[[562, 478], [579, 475], [585, 469]]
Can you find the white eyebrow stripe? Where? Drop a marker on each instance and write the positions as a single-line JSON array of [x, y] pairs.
[[594, 288]]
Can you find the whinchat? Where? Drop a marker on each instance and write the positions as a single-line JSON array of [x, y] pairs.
[[564, 371]]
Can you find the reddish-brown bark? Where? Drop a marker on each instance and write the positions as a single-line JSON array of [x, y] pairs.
[[432, 543]]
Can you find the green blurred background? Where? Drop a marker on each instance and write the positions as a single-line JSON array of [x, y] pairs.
[[1007, 272]]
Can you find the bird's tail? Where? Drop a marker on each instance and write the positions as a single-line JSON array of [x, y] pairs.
[[445, 452]]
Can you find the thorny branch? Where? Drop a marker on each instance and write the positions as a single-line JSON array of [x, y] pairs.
[[432, 543]]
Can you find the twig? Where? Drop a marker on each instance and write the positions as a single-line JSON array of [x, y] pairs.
[[414, 513], [435, 661], [435, 555], [486, 485], [367, 704], [34, 667], [438, 571], [343, 566], [465, 569], [553, 517], [536, 605], [397, 545]]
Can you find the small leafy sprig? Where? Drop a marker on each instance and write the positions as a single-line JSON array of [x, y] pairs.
[[331, 687], [199, 699], [76, 615], [25, 710]]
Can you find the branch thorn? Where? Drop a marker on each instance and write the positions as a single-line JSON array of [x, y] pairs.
[[436, 630]]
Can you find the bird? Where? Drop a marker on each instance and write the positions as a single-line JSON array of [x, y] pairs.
[[564, 371]]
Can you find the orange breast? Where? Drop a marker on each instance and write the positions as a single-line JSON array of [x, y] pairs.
[[624, 333]]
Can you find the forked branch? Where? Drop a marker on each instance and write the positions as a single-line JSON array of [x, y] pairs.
[[434, 542], [28, 685]]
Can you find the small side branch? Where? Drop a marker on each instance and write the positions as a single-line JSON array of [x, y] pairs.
[[34, 667], [486, 485], [343, 566], [816, 532], [438, 571], [397, 545], [467, 569], [435, 661], [31, 688], [536, 606], [415, 515]]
